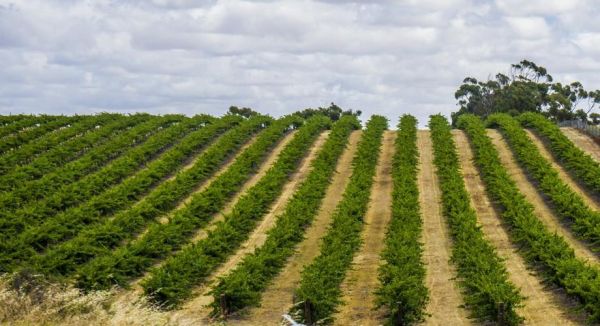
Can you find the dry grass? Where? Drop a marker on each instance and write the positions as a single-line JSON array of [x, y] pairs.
[[27, 299]]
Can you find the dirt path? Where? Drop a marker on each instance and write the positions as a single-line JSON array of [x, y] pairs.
[[278, 296], [583, 141], [565, 176], [196, 308], [361, 281], [445, 297], [543, 306], [541, 208]]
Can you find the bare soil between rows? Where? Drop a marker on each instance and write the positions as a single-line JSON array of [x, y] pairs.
[[544, 304], [541, 207], [361, 281], [445, 301], [583, 141]]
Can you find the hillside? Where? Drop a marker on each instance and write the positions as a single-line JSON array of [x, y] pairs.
[[173, 220]]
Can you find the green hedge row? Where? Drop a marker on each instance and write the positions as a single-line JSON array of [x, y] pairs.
[[26, 135], [17, 139], [118, 267], [173, 282], [319, 287], [243, 286], [28, 153], [81, 138], [402, 289], [488, 293], [46, 189], [577, 161], [68, 223], [569, 205], [541, 248], [12, 124], [63, 259]]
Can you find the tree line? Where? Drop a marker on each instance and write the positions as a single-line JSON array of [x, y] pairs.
[[528, 87]]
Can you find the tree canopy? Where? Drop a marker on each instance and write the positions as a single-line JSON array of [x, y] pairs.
[[244, 112], [333, 111], [527, 87]]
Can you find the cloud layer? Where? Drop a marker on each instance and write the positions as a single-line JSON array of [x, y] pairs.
[[386, 57]]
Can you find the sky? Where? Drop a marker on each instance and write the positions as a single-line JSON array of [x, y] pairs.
[[277, 57]]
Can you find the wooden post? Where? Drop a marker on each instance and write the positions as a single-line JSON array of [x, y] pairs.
[[501, 308], [308, 313], [398, 317], [223, 304]]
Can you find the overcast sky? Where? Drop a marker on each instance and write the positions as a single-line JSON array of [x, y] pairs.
[[385, 57]]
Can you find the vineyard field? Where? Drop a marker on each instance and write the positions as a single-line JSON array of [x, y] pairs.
[[304, 219]]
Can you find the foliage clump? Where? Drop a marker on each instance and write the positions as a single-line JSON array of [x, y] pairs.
[[333, 111], [527, 88]]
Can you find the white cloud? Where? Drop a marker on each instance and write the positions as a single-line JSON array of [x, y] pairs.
[[529, 27], [388, 57], [539, 7], [588, 42]]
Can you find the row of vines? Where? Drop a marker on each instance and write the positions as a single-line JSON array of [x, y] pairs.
[[98, 201], [130, 261], [540, 247], [319, 291], [243, 286], [583, 220], [31, 234], [173, 281], [577, 161], [402, 289], [487, 292], [91, 238]]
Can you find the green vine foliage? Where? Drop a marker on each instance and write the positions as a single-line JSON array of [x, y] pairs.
[[402, 287], [542, 249], [50, 231], [569, 205], [118, 267], [63, 260], [242, 287], [121, 144], [13, 124], [319, 287], [582, 165], [488, 293], [31, 133], [172, 283], [68, 151], [35, 158]]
